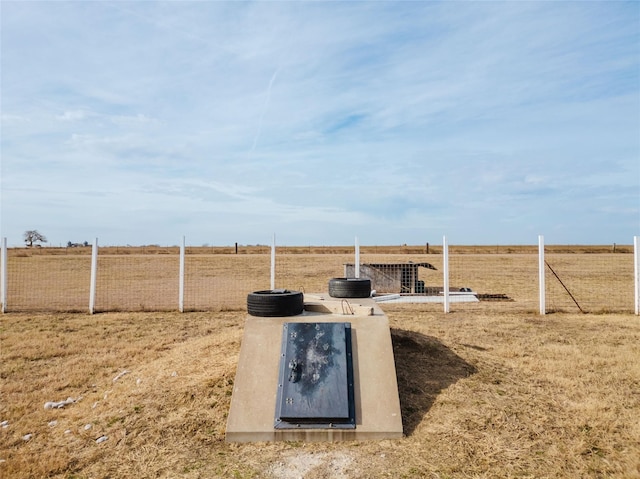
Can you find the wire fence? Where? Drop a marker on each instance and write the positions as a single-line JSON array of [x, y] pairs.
[[219, 278], [590, 283]]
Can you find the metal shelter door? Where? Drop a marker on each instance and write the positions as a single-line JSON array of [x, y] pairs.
[[315, 385]]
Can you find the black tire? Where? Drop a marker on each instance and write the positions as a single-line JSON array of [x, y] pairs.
[[275, 303], [349, 288]]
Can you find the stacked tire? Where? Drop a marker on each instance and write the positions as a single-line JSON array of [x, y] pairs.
[[349, 288], [275, 303]]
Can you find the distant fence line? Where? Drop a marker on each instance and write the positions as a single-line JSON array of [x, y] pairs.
[[534, 279]]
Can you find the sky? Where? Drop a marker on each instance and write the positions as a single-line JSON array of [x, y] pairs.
[[320, 122]]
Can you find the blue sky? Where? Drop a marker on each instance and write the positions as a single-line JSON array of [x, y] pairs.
[[396, 122]]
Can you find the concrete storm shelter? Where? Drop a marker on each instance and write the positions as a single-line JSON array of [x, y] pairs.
[[326, 374]]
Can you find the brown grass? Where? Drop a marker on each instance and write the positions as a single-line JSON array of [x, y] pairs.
[[482, 395], [492, 390]]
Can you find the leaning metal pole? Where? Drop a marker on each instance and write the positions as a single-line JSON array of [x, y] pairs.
[[565, 287]]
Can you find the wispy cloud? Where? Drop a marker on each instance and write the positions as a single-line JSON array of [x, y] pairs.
[[264, 110], [397, 122]]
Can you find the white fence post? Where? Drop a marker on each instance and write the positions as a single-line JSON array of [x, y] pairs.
[[541, 270], [357, 265], [181, 284], [3, 276], [445, 268], [94, 276], [636, 271], [273, 262]]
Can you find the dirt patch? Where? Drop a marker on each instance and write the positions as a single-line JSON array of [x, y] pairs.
[[309, 465]]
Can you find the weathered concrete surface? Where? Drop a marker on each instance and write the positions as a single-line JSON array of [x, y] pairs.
[[253, 404]]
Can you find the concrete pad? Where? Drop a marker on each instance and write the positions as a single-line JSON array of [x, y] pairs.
[[416, 299], [253, 403]]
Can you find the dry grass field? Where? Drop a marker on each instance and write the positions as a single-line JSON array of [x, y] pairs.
[[482, 395], [491, 390]]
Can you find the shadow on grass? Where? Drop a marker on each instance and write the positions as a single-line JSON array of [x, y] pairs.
[[424, 367]]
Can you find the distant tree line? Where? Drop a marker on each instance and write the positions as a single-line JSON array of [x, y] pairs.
[[32, 237], [77, 245]]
